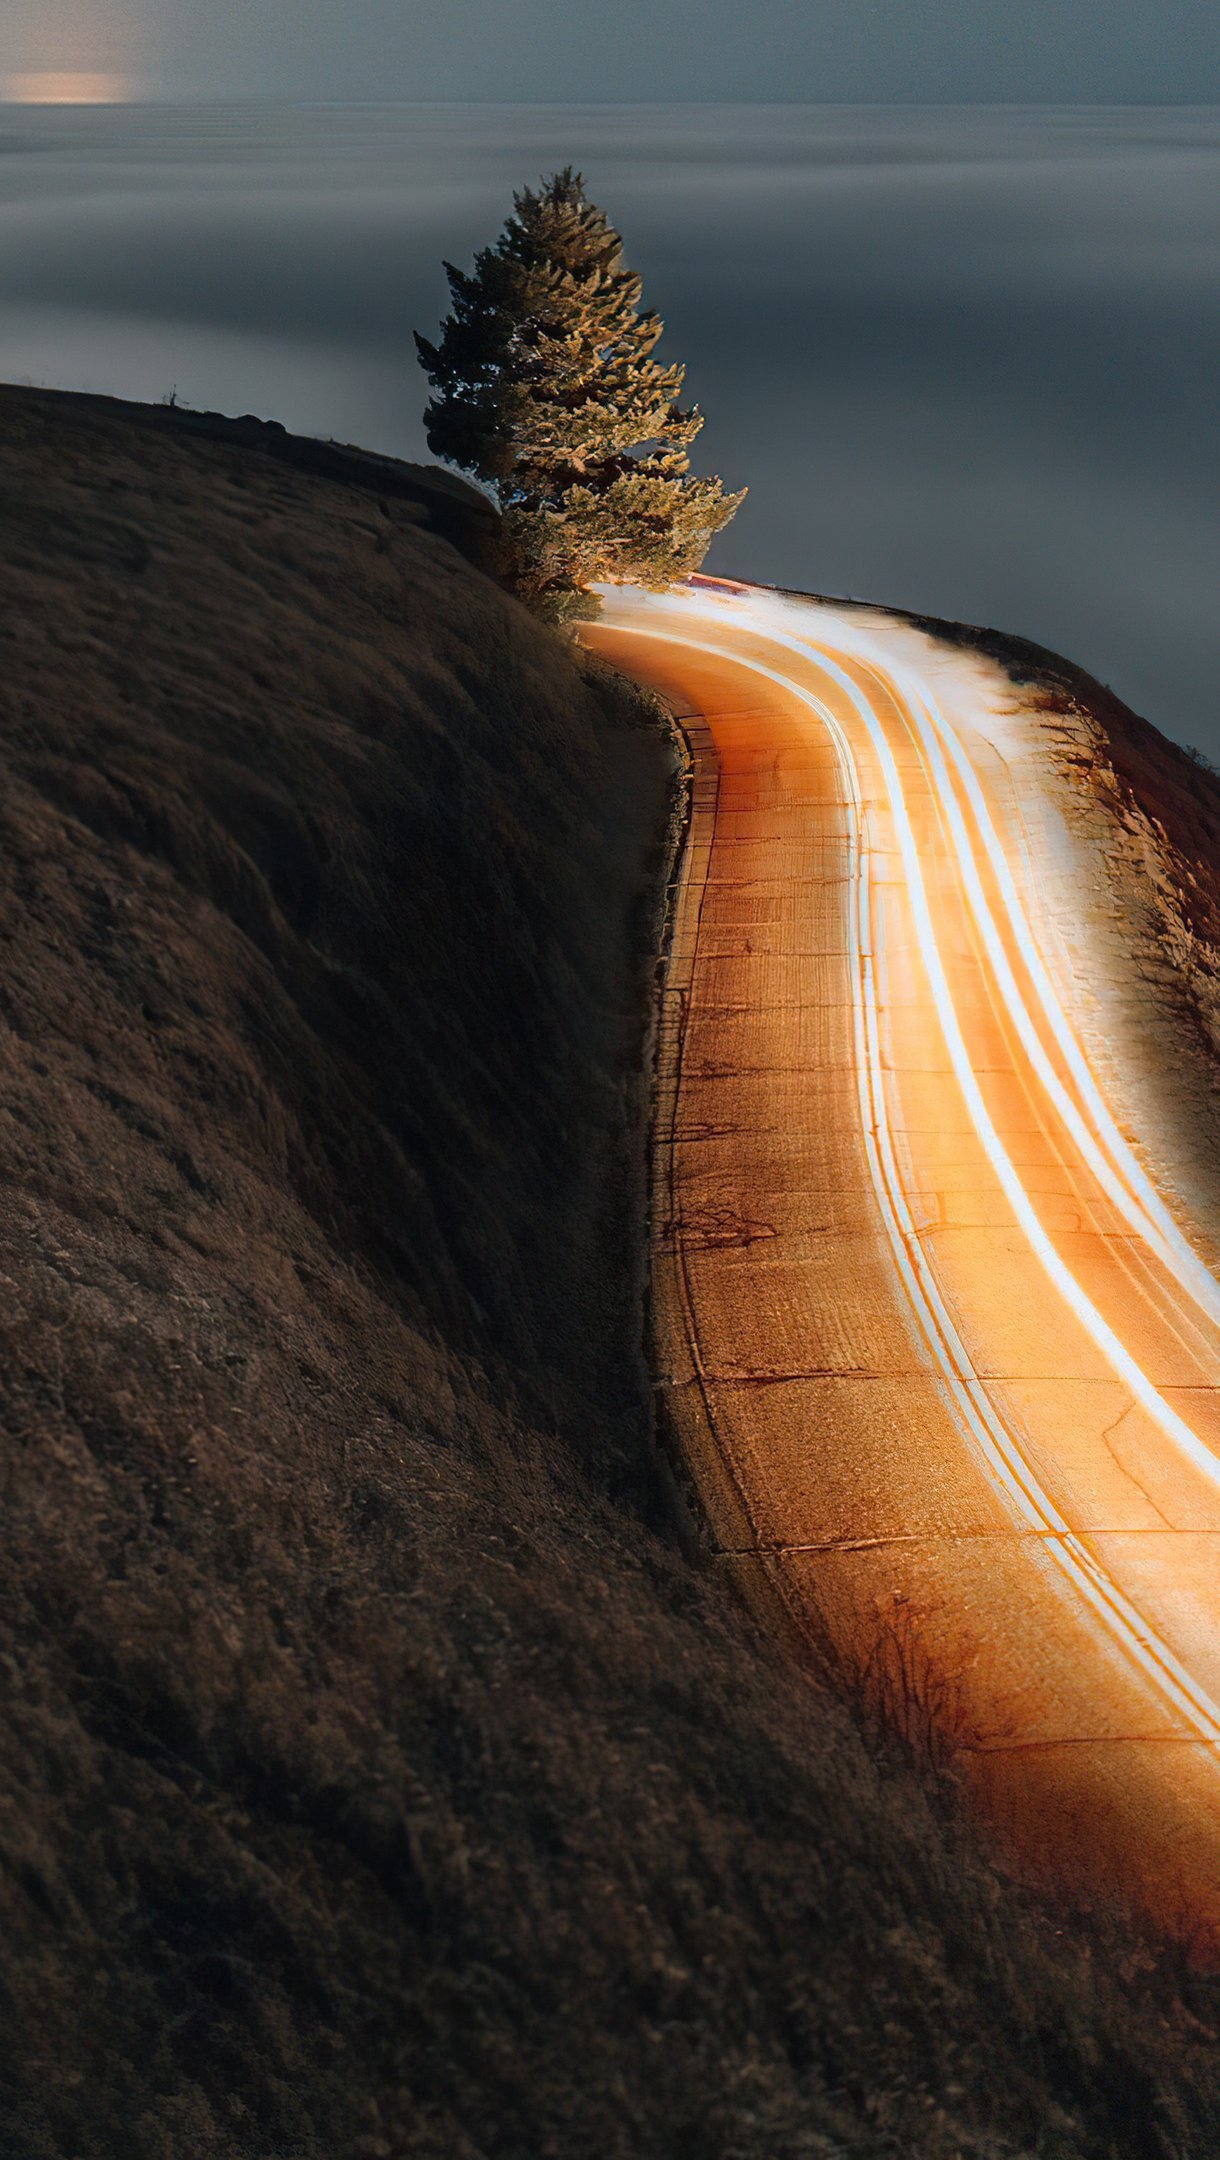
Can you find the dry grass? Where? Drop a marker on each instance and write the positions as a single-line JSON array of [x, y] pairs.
[[377, 1777]]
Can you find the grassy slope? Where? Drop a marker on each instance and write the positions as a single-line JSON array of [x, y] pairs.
[[376, 1776]]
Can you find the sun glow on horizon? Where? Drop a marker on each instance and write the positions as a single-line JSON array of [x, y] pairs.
[[61, 87]]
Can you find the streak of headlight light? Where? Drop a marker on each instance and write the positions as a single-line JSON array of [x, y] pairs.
[[1112, 1349], [1122, 1178], [998, 1447], [1163, 1233]]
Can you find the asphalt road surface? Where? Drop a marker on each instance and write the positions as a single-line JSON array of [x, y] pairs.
[[943, 1362]]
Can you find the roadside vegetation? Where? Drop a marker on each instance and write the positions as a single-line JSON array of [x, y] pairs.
[[547, 391], [379, 1779]]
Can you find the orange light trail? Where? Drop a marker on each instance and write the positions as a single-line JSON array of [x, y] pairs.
[[1112, 1348], [997, 1445]]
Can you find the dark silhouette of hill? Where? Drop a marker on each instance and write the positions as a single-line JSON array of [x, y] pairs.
[[378, 1777]]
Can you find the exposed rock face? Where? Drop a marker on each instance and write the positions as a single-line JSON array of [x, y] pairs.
[[375, 1776]]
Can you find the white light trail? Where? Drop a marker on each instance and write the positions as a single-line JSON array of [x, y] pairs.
[[1112, 1348], [1150, 1211], [997, 1445], [1121, 1176]]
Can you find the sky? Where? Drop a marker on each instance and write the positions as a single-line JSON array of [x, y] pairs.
[[906, 51]]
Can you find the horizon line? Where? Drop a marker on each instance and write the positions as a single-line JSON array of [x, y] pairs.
[[172, 100]]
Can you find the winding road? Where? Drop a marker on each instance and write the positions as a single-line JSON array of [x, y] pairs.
[[944, 1363]]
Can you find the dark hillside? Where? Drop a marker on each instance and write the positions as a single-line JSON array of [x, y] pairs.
[[376, 1777]]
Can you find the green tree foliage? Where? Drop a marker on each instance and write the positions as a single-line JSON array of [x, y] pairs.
[[545, 387]]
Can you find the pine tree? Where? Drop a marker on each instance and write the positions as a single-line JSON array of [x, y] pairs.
[[546, 389]]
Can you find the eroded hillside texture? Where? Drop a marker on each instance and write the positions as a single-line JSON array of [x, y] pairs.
[[377, 1776]]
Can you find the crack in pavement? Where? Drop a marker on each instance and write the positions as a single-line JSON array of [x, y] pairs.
[[1123, 1469]]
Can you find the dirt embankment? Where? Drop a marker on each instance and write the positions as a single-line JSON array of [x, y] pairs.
[[376, 1777]]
